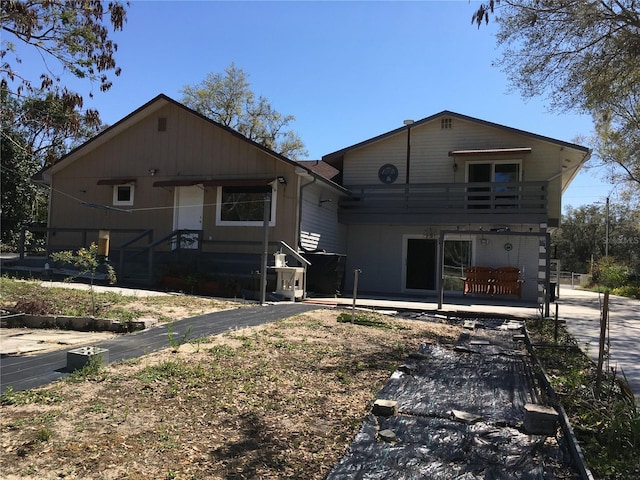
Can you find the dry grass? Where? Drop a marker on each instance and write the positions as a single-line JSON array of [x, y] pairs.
[[279, 401]]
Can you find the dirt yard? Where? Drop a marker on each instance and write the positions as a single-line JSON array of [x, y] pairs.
[[280, 401]]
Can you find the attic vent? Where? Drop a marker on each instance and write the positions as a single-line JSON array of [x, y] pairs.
[[446, 123], [162, 124]]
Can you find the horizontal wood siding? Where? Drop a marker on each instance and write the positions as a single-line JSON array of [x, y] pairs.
[[377, 250], [361, 165], [319, 227], [523, 255], [189, 148], [430, 162]]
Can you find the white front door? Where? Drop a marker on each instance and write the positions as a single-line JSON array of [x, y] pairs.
[[187, 213]]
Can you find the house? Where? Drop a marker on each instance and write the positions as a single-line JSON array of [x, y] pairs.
[[435, 196], [178, 192], [412, 209]]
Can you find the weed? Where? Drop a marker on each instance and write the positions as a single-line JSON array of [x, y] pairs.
[[41, 397], [30, 469], [173, 342], [343, 377], [131, 361], [368, 319], [198, 342], [171, 370], [606, 419], [44, 434], [97, 408], [92, 370], [219, 352]]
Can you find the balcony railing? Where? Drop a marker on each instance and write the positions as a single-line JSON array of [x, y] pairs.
[[445, 202]]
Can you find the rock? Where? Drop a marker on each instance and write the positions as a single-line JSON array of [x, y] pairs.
[[540, 420], [387, 436], [385, 408]]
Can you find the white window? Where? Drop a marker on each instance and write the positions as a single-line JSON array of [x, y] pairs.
[[123, 194], [243, 206]]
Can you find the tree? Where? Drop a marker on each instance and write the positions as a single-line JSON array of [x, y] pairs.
[[617, 145], [585, 56], [228, 99], [21, 200], [38, 132], [88, 262], [41, 117], [583, 236], [74, 35]]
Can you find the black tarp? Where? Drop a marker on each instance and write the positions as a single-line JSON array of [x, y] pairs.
[[460, 416]]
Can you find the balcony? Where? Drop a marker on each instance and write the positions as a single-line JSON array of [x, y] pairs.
[[445, 203]]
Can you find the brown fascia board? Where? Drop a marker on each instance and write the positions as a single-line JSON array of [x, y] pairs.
[[335, 159], [141, 112]]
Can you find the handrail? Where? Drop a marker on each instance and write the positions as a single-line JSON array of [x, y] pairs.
[[176, 234], [148, 232], [122, 248], [445, 199], [47, 230]]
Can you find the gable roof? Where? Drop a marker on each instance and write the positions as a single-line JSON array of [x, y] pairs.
[[144, 111], [335, 158]]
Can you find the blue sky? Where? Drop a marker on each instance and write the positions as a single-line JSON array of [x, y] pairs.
[[347, 71]]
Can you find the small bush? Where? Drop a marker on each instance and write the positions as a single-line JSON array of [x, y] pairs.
[[630, 291], [611, 274]]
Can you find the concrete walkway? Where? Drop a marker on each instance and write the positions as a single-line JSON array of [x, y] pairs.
[[581, 310]]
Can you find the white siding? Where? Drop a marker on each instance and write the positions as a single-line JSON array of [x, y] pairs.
[[378, 251], [361, 166], [430, 161], [319, 227]]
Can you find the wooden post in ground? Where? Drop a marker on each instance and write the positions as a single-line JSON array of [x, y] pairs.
[[356, 272], [555, 327], [604, 318]]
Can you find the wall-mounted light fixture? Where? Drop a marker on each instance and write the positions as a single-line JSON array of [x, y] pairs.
[[153, 171], [455, 167], [282, 180]]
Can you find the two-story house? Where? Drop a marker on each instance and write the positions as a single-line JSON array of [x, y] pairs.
[[436, 196], [412, 209]]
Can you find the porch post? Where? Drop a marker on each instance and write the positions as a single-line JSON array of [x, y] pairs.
[[547, 276], [440, 270], [265, 249]]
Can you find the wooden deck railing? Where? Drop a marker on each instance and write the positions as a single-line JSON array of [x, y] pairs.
[[454, 201]]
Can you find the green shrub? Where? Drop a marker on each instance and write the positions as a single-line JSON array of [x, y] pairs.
[[631, 291], [611, 274]]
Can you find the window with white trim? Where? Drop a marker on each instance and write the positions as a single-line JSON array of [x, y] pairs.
[[123, 194], [243, 206]]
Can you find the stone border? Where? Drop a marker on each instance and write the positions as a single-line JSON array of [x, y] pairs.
[[83, 324], [574, 446]]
